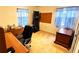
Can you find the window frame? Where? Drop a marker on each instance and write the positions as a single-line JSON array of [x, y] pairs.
[[27, 11], [67, 16]]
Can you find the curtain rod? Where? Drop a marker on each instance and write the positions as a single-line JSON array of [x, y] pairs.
[[67, 7]]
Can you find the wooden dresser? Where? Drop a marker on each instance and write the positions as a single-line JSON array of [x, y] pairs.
[[64, 37]]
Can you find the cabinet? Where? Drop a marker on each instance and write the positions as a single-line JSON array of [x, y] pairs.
[[36, 19], [64, 39]]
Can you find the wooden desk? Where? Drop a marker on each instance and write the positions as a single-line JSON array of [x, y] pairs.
[[16, 31], [12, 41]]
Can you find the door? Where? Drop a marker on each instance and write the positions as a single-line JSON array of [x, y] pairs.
[[75, 43]]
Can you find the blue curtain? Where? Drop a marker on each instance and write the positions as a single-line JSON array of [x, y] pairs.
[[22, 17], [66, 17]]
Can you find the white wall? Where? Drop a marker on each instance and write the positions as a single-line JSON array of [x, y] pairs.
[[8, 15], [49, 27]]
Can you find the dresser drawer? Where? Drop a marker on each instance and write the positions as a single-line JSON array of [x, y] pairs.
[[63, 39]]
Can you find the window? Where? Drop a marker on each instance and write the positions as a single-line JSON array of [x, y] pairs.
[[22, 17], [66, 17]]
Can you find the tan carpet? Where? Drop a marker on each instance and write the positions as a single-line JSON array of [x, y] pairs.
[[43, 42]]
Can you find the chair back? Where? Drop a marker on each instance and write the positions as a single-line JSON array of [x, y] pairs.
[[27, 33]]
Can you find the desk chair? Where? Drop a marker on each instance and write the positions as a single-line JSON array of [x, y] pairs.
[[27, 33]]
